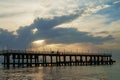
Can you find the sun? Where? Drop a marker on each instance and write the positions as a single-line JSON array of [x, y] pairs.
[[38, 43]]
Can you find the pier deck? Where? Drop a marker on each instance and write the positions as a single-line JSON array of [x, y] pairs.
[[21, 58]]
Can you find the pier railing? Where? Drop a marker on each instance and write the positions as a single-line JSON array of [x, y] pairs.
[[52, 52]]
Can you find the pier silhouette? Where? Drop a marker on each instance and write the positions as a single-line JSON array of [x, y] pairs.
[[23, 58]]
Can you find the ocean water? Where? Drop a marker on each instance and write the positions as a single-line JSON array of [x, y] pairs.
[[102, 72]]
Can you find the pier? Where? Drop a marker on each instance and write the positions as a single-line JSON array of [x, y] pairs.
[[23, 58]]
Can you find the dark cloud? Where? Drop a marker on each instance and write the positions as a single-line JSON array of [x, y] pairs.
[[102, 32], [47, 31], [72, 35], [6, 38]]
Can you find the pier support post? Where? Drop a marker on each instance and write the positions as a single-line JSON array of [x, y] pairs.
[[51, 60], [7, 61], [94, 60], [27, 58], [86, 60], [57, 60], [4, 63], [64, 60], [18, 60], [70, 60], [23, 60], [110, 60], [101, 60], [90, 60], [31, 60], [36, 60], [44, 60], [98, 62], [76, 61], [107, 62], [81, 60], [14, 56]]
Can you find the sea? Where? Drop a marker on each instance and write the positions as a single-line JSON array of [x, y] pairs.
[[101, 72]]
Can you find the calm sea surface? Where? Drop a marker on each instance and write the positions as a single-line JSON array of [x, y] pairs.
[[63, 73]]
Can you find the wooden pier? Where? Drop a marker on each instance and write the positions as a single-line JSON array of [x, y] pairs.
[[23, 58]]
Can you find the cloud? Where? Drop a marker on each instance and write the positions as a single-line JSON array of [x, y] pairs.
[[46, 31], [18, 13], [13, 14], [6, 38], [111, 12], [23, 12]]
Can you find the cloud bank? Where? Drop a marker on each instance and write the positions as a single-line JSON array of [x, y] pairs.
[[45, 30]]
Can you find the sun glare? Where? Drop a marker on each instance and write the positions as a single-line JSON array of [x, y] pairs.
[[39, 42]]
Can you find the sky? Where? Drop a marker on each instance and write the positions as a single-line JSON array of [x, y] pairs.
[[60, 24]]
